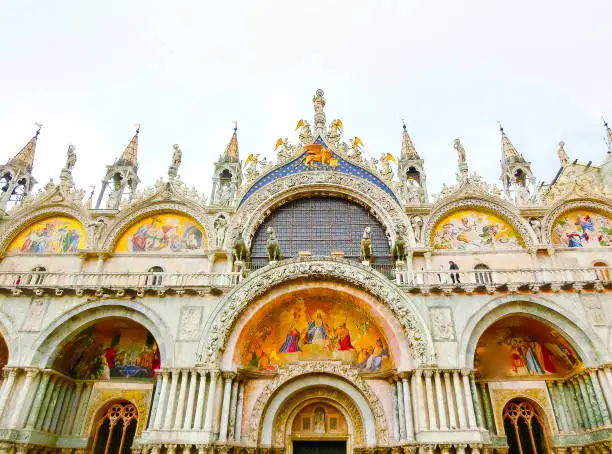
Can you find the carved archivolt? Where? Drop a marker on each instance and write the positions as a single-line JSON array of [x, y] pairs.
[[253, 212], [550, 218], [229, 309], [517, 222], [281, 429], [320, 367]]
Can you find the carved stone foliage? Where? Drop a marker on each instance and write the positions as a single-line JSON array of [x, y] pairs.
[[228, 311], [284, 418], [254, 210], [562, 207], [322, 367], [500, 208], [442, 325]]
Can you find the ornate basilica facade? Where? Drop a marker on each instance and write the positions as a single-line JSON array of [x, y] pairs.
[[325, 302]]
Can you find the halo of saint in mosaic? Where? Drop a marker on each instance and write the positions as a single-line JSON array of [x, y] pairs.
[[313, 330], [55, 235], [469, 229], [582, 228], [167, 232], [521, 346]]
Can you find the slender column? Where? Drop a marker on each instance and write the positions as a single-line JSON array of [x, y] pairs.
[[59, 383], [7, 389], [469, 403], [584, 400], [59, 406], [66, 409], [155, 404], [227, 392], [180, 411], [605, 386], [210, 404], [452, 417], [20, 407], [174, 376], [407, 408], [575, 390], [459, 395], [232, 415], [431, 406], [608, 373], [45, 404], [171, 449], [396, 412], [159, 414], [485, 405], [82, 408], [594, 406], [238, 430], [401, 412], [440, 397], [38, 400], [188, 424], [599, 397], [555, 405], [477, 403], [567, 409], [563, 408], [573, 406], [197, 423], [420, 400], [71, 413]]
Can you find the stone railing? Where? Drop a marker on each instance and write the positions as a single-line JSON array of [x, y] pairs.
[[493, 279], [39, 281]]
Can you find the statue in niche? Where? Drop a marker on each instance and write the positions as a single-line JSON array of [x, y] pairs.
[[220, 225], [224, 194], [318, 420], [366, 245], [95, 230], [413, 191], [536, 225], [417, 227], [274, 252]]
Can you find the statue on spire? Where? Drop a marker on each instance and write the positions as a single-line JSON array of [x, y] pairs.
[[66, 173], [177, 158], [461, 159], [319, 116], [563, 157]]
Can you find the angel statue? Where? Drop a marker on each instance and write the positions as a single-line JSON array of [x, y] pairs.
[[251, 167], [305, 132], [335, 130], [355, 153], [386, 171], [285, 151]]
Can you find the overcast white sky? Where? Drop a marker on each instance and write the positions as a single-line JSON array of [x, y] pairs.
[[89, 70]]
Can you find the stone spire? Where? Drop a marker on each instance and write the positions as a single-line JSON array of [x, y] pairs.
[[509, 153], [25, 157], [318, 102], [129, 157], [231, 153], [408, 150]]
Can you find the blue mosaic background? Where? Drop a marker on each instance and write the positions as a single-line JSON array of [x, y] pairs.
[[296, 165]]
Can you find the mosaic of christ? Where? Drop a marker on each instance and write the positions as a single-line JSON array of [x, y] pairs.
[[522, 347], [313, 329]]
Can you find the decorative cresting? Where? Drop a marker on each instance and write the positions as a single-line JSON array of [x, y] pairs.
[[319, 367], [564, 207], [281, 429], [506, 212], [253, 211], [284, 418], [229, 309]]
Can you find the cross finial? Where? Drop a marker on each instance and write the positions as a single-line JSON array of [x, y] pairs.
[[137, 128], [235, 126], [38, 126], [501, 128], [403, 124]]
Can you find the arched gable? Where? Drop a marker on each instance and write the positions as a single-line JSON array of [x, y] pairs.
[[510, 227], [566, 222]]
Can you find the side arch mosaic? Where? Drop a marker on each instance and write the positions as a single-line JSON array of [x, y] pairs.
[[58, 234]]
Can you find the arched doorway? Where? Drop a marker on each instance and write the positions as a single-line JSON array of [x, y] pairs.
[[115, 428], [525, 428]]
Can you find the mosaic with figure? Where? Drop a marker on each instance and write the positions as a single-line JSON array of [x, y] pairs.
[[473, 230], [113, 348], [55, 235], [317, 329], [166, 232], [582, 228], [520, 346]]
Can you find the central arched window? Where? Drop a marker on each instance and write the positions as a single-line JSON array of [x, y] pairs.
[[115, 430], [322, 226], [524, 427]]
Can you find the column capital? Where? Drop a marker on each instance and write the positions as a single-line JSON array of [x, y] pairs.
[[404, 375], [228, 374], [428, 373], [31, 371], [467, 372]]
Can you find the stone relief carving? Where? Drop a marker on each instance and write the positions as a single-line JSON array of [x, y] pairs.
[[221, 323], [189, 323], [35, 315], [442, 326], [594, 309], [324, 367]]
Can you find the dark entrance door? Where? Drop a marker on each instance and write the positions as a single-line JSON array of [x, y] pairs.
[[319, 447]]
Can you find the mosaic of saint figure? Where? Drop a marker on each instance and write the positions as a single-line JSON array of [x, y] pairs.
[[582, 228], [57, 235]]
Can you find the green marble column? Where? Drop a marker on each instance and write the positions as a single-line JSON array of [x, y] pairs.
[[599, 396], [38, 400]]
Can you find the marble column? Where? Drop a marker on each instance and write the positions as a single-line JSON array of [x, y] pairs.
[[416, 397], [20, 405], [38, 400], [174, 378], [82, 408], [477, 403], [486, 404], [232, 415], [431, 406], [605, 386], [7, 389], [407, 408], [210, 403], [193, 383], [228, 377], [161, 406], [555, 405], [452, 416], [199, 410], [563, 408], [589, 400], [238, 429], [155, 404], [59, 383], [396, 411], [60, 405], [420, 399], [45, 403], [567, 407], [440, 400], [583, 400], [469, 402], [459, 395], [578, 403], [401, 412], [71, 413], [599, 397], [180, 411]]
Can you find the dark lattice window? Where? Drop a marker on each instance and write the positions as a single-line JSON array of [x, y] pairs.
[[321, 225]]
